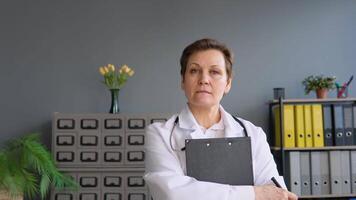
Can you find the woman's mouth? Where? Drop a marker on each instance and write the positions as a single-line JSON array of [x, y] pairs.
[[203, 92]]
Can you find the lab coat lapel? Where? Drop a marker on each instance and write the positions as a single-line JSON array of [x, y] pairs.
[[186, 119], [188, 124], [232, 128]]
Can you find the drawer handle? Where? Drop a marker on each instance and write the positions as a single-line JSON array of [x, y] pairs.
[[93, 183], [115, 123], [112, 184], [112, 196], [88, 196], [93, 124], [136, 124], [88, 185], [113, 141], [135, 159], [63, 196], [65, 159], [132, 157], [136, 143], [136, 184], [136, 196], [65, 124], [89, 127], [112, 160], [89, 159]]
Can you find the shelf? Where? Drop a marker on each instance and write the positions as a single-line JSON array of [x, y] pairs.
[[329, 100], [314, 148], [282, 153], [327, 196]]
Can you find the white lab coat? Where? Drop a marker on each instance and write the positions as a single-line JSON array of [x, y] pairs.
[[166, 167]]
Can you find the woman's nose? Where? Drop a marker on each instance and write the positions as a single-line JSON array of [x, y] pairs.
[[204, 78]]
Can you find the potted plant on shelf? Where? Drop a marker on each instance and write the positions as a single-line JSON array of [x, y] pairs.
[[28, 169], [320, 84]]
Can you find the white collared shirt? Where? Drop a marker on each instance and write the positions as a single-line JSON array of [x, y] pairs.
[[166, 167], [215, 131]]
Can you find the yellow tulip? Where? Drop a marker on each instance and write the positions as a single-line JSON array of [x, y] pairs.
[[127, 69], [131, 73], [102, 71], [112, 67], [106, 69], [124, 68]]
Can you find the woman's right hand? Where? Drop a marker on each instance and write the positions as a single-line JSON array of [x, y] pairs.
[[271, 192]]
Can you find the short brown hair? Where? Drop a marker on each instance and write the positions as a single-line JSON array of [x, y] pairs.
[[206, 44]]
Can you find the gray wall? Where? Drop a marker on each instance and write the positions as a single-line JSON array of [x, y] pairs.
[[50, 52]]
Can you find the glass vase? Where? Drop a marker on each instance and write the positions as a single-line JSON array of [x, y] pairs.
[[114, 101]]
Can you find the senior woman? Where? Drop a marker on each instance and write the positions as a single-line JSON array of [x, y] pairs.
[[206, 76]]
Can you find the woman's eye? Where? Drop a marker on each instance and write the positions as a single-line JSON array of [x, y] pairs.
[[192, 71], [215, 72]]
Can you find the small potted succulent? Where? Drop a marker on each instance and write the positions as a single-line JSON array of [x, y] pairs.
[[27, 169], [320, 84]]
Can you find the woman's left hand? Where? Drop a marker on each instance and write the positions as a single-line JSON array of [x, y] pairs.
[[271, 192]]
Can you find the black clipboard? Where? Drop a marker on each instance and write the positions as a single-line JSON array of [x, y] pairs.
[[220, 160]]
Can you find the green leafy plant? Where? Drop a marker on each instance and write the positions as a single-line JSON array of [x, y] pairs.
[[313, 83], [27, 169], [115, 78]]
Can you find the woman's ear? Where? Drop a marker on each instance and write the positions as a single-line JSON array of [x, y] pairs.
[[228, 86]]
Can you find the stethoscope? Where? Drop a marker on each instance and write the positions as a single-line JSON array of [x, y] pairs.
[[183, 149]]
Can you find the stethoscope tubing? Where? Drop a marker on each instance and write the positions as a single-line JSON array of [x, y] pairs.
[[176, 121]]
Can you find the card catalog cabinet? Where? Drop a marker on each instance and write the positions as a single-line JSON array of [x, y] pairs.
[[104, 153]]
